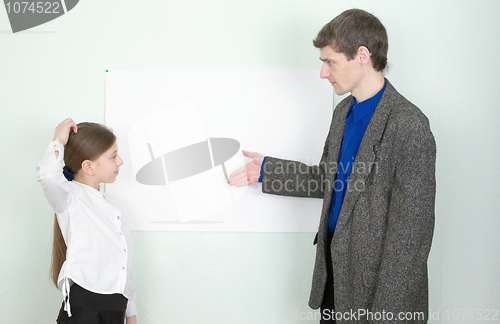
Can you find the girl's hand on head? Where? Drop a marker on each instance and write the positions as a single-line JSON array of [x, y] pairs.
[[63, 129]]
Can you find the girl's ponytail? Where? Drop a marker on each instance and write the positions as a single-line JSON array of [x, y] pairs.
[[58, 252]]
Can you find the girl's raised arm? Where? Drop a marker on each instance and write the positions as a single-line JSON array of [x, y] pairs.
[[50, 168]]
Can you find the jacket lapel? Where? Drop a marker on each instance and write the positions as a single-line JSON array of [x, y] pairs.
[[365, 157], [337, 132], [335, 141]]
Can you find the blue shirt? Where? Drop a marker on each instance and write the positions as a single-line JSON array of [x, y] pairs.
[[356, 121]]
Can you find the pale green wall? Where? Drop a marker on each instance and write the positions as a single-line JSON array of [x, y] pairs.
[[444, 59]]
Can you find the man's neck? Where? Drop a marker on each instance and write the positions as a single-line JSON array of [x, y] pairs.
[[369, 86]]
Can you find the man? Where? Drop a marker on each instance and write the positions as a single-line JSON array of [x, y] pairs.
[[376, 178]]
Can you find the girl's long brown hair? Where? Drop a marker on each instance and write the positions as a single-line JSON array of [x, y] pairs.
[[90, 142], [58, 252]]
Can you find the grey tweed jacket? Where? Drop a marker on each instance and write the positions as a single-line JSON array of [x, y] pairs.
[[383, 235]]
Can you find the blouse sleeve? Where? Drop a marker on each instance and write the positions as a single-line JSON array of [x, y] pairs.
[[130, 285], [50, 175]]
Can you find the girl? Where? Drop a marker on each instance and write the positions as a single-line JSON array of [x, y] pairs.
[[92, 252]]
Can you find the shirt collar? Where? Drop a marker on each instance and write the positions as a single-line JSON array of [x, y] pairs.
[[92, 190], [360, 110]]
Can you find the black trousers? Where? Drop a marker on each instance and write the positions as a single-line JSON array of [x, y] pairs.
[[328, 303], [91, 308]]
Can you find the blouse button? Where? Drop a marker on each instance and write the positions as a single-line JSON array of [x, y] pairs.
[[123, 268], [124, 250]]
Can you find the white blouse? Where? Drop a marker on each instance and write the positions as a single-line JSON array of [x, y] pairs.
[[96, 232]]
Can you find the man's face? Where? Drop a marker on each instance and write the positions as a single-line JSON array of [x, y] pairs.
[[344, 75]]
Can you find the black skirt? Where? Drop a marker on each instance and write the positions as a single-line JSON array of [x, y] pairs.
[[91, 308]]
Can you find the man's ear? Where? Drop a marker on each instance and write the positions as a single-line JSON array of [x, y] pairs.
[[364, 56], [87, 167]]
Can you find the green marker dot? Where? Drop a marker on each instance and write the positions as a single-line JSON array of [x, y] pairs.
[[106, 70]]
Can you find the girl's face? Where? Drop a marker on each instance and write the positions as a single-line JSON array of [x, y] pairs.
[[106, 167]]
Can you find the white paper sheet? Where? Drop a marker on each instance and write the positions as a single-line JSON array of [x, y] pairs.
[[180, 133]]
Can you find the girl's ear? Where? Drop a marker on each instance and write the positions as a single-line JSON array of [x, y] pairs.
[[87, 167]]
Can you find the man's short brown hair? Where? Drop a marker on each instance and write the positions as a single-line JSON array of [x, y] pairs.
[[354, 28]]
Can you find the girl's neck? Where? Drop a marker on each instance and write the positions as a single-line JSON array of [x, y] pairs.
[[87, 181]]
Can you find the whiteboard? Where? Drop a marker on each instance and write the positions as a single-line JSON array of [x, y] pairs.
[[180, 134]]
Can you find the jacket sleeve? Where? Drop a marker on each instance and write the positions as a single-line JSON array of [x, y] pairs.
[[50, 175], [297, 179], [410, 226]]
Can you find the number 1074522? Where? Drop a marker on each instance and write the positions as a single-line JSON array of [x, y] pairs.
[[38, 7]]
